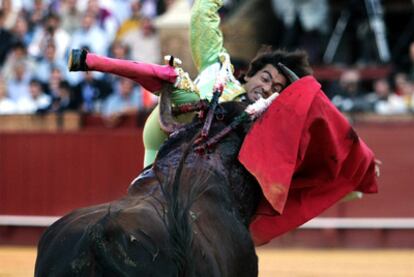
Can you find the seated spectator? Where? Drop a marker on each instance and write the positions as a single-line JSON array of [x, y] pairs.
[[50, 31], [18, 54], [124, 101], [71, 16], [35, 11], [400, 80], [144, 42], [90, 35], [21, 31], [37, 101], [384, 100], [133, 22], [56, 77], [7, 105], [349, 95], [49, 60], [405, 88], [18, 85], [63, 99], [104, 18], [91, 92], [118, 50], [10, 13]]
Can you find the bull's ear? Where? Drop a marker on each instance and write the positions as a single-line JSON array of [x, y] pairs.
[[289, 74]]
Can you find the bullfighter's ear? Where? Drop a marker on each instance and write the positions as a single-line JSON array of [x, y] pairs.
[[289, 74], [246, 78]]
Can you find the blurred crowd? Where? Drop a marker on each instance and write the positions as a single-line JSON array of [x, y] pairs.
[[390, 95], [361, 35], [35, 36]]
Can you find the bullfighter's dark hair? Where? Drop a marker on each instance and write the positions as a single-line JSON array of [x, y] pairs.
[[297, 61]]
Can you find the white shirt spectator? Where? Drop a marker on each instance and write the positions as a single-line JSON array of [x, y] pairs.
[[42, 37], [29, 105], [47, 63], [7, 106], [90, 35], [124, 100], [18, 87], [395, 104], [144, 43]]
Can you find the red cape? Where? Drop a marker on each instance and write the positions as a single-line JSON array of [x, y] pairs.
[[306, 157]]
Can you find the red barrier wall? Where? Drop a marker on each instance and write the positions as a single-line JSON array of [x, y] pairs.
[[52, 173], [393, 145]]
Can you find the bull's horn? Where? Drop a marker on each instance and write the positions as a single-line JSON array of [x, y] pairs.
[[288, 73], [167, 121]]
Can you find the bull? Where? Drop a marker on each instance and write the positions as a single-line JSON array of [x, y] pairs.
[[186, 215]]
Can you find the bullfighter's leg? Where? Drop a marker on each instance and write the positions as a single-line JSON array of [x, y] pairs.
[[150, 76]]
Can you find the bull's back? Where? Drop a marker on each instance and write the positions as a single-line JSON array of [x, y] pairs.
[[100, 241]]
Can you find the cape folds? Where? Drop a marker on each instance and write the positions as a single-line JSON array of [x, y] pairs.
[[306, 157]]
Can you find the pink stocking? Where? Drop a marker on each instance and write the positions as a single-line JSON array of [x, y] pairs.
[[150, 76]]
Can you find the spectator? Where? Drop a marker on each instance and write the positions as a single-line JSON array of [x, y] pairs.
[[63, 99], [90, 36], [402, 83], [18, 85], [35, 12], [7, 105], [18, 54], [21, 31], [133, 22], [120, 9], [144, 42], [384, 100], [56, 77], [405, 88], [50, 32], [124, 101], [118, 50], [91, 92], [104, 18], [6, 39], [47, 62], [71, 16], [37, 100], [349, 96], [10, 14]]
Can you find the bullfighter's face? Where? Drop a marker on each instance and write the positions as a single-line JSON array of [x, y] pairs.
[[264, 83]]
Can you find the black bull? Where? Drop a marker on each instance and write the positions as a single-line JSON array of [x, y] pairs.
[[187, 215]]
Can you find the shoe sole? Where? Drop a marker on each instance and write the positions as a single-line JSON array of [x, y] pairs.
[[70, 65]]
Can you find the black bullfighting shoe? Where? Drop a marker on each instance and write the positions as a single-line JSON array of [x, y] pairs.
[[77, 60]]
